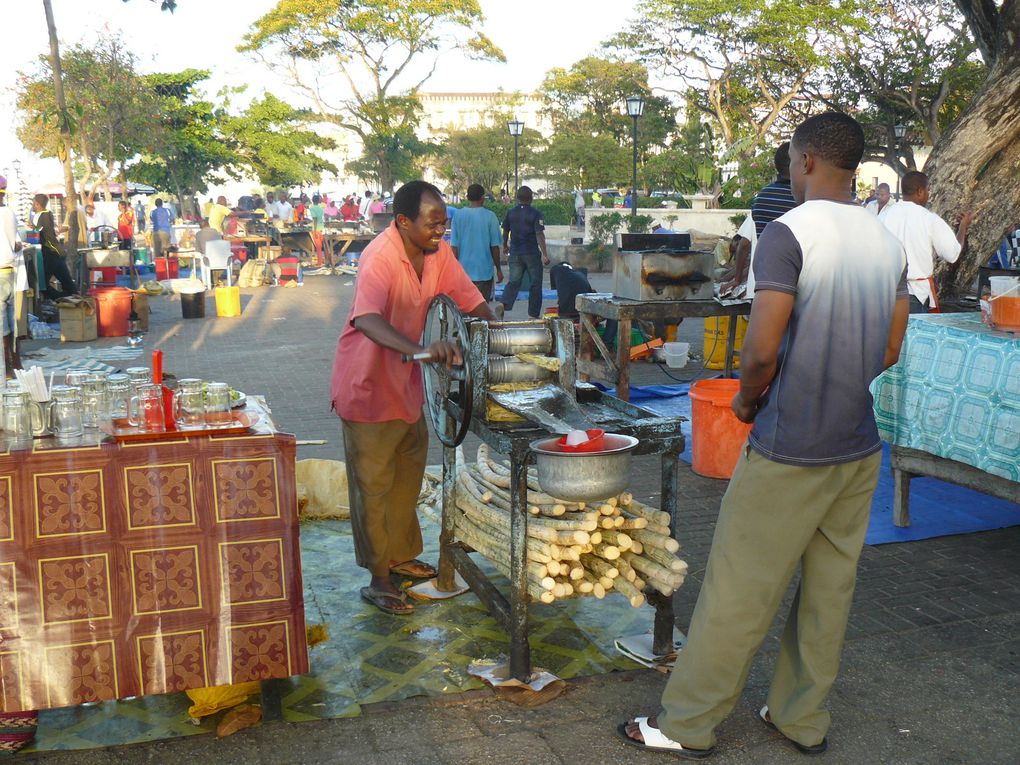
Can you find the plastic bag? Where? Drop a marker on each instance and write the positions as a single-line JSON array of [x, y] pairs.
[[208, 701]]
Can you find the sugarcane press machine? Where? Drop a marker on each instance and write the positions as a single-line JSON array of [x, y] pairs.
[[458, 399]]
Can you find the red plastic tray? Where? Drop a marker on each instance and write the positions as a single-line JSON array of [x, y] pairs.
[[119, 431]]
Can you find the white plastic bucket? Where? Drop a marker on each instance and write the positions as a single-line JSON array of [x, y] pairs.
[[676, 354], [1004, 285]]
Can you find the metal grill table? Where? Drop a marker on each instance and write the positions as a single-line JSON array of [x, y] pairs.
[[656, 435]]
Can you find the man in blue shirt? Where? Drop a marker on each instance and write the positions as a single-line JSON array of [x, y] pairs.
[[161, 229], [524, 229], [475, 240]]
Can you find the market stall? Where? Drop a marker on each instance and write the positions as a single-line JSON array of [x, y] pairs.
[[148, 566], [951, 407]]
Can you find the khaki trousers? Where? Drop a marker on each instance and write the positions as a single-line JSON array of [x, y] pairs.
[[385, 466], [773, 517]]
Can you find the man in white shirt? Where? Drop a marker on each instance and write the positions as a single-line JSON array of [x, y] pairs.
[[882, 201], [10, 262], [285, 210], [366, 203], [272, 206], [923, 235]]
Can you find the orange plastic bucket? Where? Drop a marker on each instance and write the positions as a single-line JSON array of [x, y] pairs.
[[113, 310], [716, 433]]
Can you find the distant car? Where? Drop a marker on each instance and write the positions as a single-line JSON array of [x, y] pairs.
[[662, 194], [610, 192]]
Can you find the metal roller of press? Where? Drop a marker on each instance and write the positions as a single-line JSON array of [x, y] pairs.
[[493, 357]]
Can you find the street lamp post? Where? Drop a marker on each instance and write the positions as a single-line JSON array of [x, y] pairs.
[[635, 107], [899, 130], [516, 128]]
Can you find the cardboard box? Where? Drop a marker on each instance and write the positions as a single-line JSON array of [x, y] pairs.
[[77, 319], [140, 305]]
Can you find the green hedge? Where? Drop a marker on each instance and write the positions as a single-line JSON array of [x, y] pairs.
[[557, 212]]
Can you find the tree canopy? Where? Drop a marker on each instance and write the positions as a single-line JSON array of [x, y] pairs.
[[361, 63], [112, 113]]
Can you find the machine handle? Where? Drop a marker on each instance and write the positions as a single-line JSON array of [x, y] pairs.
[[423, 356]]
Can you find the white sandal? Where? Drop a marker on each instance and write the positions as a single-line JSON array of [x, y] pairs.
[[656, 741]]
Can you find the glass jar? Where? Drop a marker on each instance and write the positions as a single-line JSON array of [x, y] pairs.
[[217, 406], [145, 409], [75, 377], [66, 412], [189, 404], [95, 402], [139, 376], [118, 386], [19, 411]]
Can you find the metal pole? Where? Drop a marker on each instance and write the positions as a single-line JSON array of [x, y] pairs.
[[517, 183], [633, 185]]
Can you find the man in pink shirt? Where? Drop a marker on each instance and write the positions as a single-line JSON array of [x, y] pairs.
[[379, 398]]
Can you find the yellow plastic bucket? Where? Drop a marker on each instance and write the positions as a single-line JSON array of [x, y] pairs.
[[228, 301], [716, 330]]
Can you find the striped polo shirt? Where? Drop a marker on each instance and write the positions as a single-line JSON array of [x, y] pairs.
[[771, 202], [846, 272]]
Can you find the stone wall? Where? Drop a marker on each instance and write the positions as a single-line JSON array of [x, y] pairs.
[[715, 222]]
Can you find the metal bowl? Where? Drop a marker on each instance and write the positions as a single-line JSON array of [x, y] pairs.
[[584, 476]]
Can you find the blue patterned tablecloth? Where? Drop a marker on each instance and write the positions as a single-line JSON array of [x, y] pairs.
[[955, 393]]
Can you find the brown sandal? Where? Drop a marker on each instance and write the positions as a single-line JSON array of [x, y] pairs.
[[387, 602], [415, 569]]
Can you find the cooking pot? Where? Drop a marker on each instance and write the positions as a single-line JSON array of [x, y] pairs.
[[582, 476]]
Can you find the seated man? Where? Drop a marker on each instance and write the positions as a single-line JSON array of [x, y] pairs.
[[206, 234], [289, 267], [568, 283]]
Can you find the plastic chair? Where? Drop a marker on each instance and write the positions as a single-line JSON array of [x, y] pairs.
[[217, 257]]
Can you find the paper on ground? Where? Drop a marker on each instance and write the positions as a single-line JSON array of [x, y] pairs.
[[496, 672], [639, 647], [428, 589]]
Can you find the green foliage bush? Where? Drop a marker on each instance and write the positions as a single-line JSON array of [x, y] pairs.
[[558, 211]]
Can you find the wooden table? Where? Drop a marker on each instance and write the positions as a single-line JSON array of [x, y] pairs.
[[615, 368], [333, 237], [132, 569]]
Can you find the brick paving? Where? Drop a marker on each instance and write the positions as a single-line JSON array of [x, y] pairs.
[[931, 668]]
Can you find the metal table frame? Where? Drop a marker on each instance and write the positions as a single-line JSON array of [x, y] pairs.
[[656, 435], [910, 463], [616, 367]]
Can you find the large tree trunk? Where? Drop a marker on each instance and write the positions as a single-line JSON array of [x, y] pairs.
[[975, 164], [65, 134]]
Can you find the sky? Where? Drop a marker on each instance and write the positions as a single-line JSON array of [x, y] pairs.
[[535, 35]]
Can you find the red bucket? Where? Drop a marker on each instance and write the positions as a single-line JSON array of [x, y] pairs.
[[113, 310], [166, 268], [716, 433]]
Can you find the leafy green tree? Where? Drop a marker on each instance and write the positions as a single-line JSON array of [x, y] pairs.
[[583, 161], [189, 151], [382, 51], [589, 98], [110, 109], [915, 63], [268, 140], [485, 155], [586, 103], [744, 63]]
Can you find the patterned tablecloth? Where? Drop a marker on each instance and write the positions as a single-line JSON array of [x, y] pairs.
[[131, 569], [955, 393]]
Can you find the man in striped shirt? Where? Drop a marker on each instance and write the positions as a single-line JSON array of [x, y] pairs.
[[776, 198], [769, 203]]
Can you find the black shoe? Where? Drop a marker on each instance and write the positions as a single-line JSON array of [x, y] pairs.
[[802, 748]]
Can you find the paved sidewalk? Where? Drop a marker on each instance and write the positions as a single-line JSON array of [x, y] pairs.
[[931, 668]]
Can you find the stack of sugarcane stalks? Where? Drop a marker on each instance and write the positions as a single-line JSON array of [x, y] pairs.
[[572, 548]]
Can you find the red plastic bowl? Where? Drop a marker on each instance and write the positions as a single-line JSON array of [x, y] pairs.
[[595, 442]]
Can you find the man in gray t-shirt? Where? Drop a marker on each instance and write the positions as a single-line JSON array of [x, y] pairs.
[[830, 311]]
